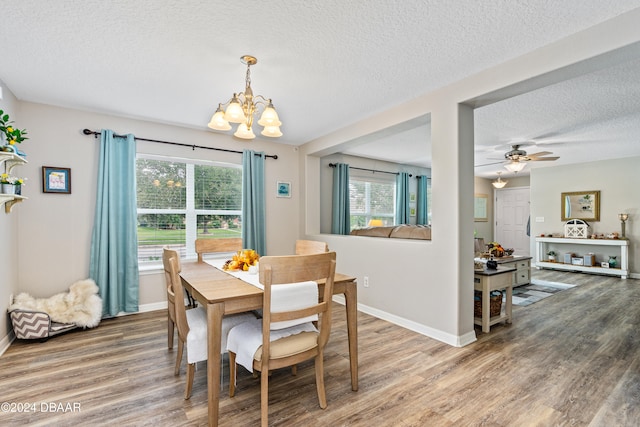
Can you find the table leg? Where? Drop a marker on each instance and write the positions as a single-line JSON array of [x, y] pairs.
[[486, 315], [214, 333], [351, 301], [508, 306]]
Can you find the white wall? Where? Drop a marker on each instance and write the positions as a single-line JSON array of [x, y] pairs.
[[425, 285], [428, 285], [9, 228], [52, 250], [617, 181]]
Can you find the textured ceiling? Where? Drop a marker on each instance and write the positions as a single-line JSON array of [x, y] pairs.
[[326, 64]]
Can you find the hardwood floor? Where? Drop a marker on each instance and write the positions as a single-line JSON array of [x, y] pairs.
[[572, 359]]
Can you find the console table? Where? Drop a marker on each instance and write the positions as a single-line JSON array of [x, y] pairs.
[[619, 246], [491, 280]]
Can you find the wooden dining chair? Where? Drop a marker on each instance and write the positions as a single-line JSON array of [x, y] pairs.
[[286, 334], [192, 323], [207, 246], [171, 306], [306, 247]]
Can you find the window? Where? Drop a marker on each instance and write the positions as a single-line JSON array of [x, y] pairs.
[[371, 200], [181, 200]]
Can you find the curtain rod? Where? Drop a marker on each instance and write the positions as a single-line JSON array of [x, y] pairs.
[[333, 165], [193, 147]]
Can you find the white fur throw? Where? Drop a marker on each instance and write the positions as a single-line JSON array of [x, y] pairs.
[[81, 305]]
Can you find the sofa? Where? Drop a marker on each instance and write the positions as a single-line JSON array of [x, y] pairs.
[[420, 232]]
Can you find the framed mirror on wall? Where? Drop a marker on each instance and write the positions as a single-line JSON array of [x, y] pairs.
[[583, 205]]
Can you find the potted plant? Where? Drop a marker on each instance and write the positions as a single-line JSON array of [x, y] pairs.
[[552, 255], [12, 134], [10, 183]]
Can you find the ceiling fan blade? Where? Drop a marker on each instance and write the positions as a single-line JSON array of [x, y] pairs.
[[489, 164], [541, 153], [542, 159]]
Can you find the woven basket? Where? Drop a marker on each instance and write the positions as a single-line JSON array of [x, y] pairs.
[[495, 304]]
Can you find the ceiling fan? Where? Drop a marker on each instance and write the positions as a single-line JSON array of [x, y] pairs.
[[518, 155], [516, 158]]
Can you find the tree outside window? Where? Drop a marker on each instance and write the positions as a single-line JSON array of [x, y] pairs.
[[179, 201]]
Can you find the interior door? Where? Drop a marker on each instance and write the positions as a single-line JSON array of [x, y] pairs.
[[511, 219]]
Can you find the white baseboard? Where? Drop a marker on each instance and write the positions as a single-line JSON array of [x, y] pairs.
[[6, 342], [453, 340]]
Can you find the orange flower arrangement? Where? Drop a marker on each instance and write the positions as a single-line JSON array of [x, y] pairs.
[[242, 260]]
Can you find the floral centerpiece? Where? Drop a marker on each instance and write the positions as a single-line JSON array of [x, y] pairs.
[[497, 250], [242, 260], [13, 135]]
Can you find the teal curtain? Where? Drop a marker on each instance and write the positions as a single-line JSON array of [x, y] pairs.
[[253, 205], [114, 243], [340, 209], [422, 207], [402, 198]]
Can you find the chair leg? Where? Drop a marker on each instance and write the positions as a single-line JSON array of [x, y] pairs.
[[179, 357], [264, 397], [232, 374], [170, 333], [191, 368], [319, 365]]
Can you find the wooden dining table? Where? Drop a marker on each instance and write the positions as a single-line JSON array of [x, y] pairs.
[[222, 294]]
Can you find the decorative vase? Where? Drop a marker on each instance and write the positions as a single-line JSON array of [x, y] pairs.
[[613, 262], [8, 189], [18, 190]]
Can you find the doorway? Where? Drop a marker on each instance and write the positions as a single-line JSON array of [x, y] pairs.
[[512, 219]]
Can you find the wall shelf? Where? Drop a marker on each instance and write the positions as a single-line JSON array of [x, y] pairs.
[[10, 160], [8, 200], [544, 243]]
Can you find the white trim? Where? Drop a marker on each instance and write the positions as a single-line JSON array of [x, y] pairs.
[[6, 342], [145, 308], [453, 340]]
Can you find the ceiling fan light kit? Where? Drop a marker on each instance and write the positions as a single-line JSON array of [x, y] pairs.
[[514, 166], [516, 159], [242, 107]]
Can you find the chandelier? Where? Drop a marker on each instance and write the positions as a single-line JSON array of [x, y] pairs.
[[242, 107], [499, 183]]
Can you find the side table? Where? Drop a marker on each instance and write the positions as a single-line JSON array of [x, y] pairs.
[[491, 280]]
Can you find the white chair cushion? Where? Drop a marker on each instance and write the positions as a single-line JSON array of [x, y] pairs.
[[197, 337], [245, 339]]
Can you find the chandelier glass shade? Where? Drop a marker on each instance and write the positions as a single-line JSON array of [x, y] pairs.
[[515, 166], [243, 106], [499, 183]]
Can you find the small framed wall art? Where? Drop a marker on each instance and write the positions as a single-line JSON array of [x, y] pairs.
[[480, 207], [283, 189], [56, 180]]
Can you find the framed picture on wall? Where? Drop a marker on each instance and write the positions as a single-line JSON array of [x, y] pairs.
[[480, 208], [584, 205], [283, 189], [56, 180]]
